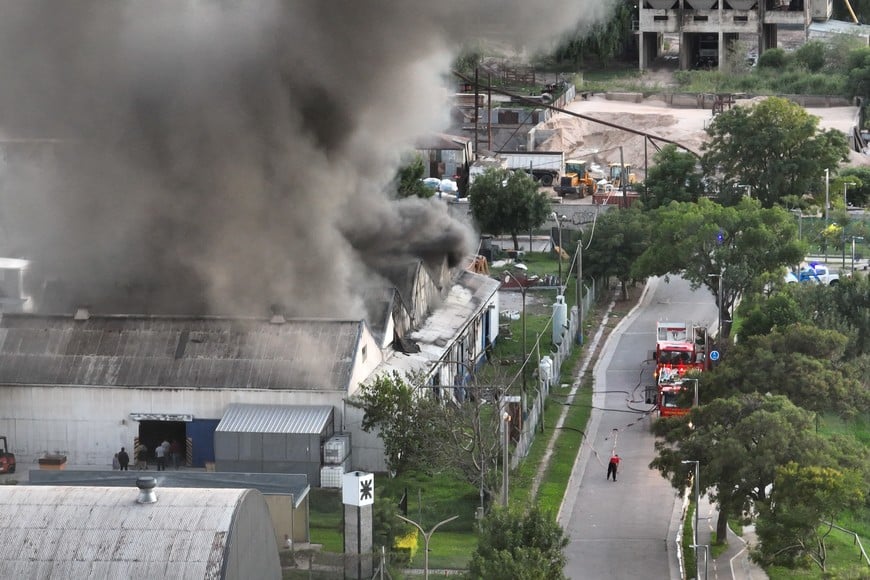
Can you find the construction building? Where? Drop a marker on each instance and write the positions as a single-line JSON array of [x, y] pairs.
[[707, 28]]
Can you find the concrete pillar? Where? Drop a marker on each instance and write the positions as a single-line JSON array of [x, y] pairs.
[[358, 540]]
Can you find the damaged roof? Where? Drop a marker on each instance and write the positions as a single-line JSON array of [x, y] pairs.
[[466, 299], [146, 351]]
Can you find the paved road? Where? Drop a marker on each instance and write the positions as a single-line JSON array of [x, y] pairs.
[[622, 530]]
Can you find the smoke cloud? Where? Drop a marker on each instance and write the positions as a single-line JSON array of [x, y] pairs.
[[219, 156]]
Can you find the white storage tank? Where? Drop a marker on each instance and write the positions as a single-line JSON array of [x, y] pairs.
[[701, 4], [560, 318], [545, 370], [662, 4], [330, 475], [336, 449], [742, 4]]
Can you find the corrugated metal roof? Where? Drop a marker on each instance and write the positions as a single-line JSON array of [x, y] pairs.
[[177, 352], [101, 532], [265, 483], [288, 419]]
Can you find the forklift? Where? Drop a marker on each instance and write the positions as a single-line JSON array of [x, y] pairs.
[[7, 460]]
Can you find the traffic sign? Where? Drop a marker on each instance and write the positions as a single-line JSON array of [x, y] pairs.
[[714, 355]]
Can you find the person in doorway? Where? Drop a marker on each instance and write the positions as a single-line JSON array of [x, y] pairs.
[[123, 460], [175, 453], [160, 453], [141, 453], [613, 466]]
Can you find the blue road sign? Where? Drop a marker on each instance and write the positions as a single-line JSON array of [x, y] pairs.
[[714, 355]]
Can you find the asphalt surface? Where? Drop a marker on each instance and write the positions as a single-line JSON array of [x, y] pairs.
[[626, 529]]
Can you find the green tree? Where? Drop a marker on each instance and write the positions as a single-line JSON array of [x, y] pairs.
[[521, 545], [773, 58], [859, 193], [738, 442], [762, 314], [400, 416], [409, 179], [674, 176], [620, 237], [806, 500], [811, 56], [844, 307], [507, 202], [800, 361], [600, 42], [775, 147], [705, 240]]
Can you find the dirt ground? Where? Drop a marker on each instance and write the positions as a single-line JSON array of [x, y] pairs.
[[580, 138]]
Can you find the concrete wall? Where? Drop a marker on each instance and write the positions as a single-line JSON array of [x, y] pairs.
[[287, 521]]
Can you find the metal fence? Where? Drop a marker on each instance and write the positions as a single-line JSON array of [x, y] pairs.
[[534, 416]]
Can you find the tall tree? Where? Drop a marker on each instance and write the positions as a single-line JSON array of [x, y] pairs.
[[614, 244], [774, 146], [799, 516], [704, 241], [674, 176], [507, 202], [521, 545], [800, 361], [738, 442]]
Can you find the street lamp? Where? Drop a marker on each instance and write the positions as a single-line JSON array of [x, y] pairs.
[[523, 367], [426, 538], [579, 291], [697, 504], [554, 216]]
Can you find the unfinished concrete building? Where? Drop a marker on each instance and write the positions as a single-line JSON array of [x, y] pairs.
[[706, 28]]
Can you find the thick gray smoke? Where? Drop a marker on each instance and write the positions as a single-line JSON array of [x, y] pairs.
[[221, 156]]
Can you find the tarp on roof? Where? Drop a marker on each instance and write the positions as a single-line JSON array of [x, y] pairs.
[[286, 419]]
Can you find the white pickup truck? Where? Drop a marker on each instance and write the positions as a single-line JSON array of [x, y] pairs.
[[814, 274]]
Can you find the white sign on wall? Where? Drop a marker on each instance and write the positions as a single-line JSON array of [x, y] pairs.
[[358, 488]]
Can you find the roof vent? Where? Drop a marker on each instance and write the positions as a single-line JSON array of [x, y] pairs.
[[146, 487], [82, 313]]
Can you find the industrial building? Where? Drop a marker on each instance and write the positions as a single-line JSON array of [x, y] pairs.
[[706, 28], [83, 385]]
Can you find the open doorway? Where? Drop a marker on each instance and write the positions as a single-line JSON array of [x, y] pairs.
[[153, 433]]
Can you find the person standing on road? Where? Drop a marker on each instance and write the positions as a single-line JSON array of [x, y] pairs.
[[612, 466]]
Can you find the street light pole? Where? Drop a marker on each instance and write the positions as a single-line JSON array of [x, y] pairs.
[[559, 225], [426, 538], [827, 206], [697, 505], [579, 290], [505, 459]]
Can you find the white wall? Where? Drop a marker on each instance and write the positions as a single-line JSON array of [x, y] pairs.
[[89, 424]]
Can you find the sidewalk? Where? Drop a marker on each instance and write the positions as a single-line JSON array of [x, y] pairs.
[[734, 562]]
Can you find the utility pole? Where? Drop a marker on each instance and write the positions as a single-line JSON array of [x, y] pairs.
[[579, 290]]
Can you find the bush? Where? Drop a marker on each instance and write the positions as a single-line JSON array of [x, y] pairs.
[[811, 56], [773, 58]]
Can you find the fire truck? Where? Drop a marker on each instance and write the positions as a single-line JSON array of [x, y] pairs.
[[680, 350]]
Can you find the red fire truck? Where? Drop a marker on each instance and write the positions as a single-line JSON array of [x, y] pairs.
[[677, 354]]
